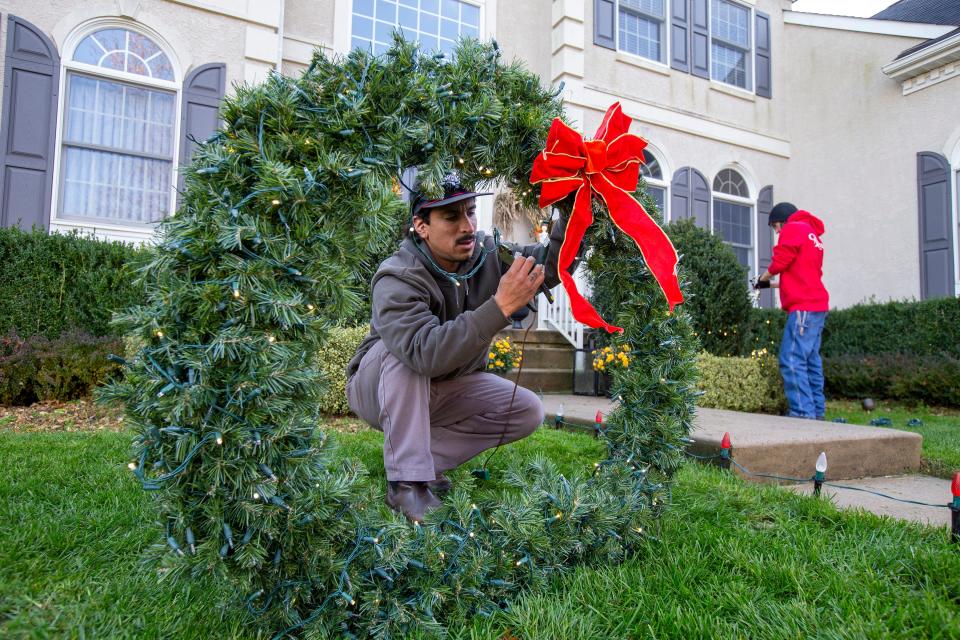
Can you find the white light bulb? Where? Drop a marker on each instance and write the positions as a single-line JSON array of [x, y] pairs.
[[256, 496], [219, 440], [560, 413], [822, 462], [132, 466]]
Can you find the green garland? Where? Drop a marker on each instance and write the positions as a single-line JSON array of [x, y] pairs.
[[283, 209]]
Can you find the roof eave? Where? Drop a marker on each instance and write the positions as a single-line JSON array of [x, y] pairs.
[[931, 57]]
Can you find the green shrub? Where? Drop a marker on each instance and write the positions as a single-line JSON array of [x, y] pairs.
[[741, 384], [334, 355], [37, 369], [927, 328], [717, 298], [930, 379], [52, 283]]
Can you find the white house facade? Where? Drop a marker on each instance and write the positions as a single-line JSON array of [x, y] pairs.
[[744, 103]]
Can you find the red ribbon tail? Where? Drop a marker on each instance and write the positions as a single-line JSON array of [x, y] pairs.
[[657, 250], [580, 219]]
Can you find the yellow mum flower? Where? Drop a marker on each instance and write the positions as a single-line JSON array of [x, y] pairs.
[[491, 355], [499, 363]]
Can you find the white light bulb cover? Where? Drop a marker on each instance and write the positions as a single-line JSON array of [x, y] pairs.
[[822, 462], [560, 410]]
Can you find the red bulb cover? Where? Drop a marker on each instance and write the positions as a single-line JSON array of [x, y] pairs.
[[955, 485], [599, 417], [725, 442]]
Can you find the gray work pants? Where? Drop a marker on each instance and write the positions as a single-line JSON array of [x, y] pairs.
[[431, 427]]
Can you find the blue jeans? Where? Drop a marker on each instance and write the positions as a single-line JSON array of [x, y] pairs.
[[800, 363]]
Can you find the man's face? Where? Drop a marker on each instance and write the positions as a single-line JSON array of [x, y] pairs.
[[777, 226], [451, 232]]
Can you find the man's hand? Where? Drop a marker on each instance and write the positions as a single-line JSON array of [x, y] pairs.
[[518, 285]]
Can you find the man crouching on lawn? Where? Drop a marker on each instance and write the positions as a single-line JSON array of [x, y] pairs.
[[419, 375]]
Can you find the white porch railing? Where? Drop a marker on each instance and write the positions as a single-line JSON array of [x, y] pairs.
[[558, 316]]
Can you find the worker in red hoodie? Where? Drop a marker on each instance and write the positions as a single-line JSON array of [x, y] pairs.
[[798, 259]]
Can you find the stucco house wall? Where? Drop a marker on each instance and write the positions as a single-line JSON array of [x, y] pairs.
[[855, 139]]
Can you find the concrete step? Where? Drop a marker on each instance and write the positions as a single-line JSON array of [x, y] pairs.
[[539, 356], [544, 380], [536, 336], [779, 446]]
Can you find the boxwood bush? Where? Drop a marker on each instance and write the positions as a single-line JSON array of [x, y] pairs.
[[741, 384], [717, 297], [54, 283], [333, 357]]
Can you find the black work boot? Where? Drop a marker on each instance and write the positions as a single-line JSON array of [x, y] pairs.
[[412, 499], [441, 486]]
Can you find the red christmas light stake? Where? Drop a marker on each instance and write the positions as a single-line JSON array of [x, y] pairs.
[[725, 447], [955, 509], [598, 424]]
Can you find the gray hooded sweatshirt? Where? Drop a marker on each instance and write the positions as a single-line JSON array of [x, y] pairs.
[[433, 326]]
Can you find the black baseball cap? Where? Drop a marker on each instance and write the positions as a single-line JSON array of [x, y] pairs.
[[453, 191], [781, 212]]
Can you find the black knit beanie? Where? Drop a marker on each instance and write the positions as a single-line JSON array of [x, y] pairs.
[[781, 212]]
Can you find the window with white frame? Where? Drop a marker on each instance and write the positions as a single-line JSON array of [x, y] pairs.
[[118, 133], [436, 24], [730, 43], [652, 174], [733, 215], [642, 28]]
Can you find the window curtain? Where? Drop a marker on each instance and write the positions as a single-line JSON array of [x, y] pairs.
[[118, 151]]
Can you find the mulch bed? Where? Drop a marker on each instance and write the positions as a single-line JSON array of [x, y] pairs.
[[85, 415]]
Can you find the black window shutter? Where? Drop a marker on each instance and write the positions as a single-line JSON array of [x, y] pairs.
[[679, 36], [30, 89], [699, 39], [764, 82], [936, 228], [605, 23], [764, 240], [202, 91], [700, 192], [680, 195]]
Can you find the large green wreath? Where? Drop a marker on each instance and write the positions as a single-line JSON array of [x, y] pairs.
[[285, 213]]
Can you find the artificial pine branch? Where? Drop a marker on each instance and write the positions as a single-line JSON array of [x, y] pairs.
[[285, 213]]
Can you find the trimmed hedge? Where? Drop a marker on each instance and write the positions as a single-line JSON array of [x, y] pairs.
[[53, 283], [333, 357], [716, 296], [897, 350], [926, 328], [37, 369], [750, 384], [930, 379]]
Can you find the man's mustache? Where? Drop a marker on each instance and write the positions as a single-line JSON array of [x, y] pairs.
[[466, 238]]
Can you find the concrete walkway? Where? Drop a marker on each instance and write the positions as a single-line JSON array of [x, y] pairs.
[[866, 457]]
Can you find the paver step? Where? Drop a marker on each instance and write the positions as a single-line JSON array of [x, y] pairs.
[[780, 446]]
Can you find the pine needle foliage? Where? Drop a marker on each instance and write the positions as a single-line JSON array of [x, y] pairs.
[[283, 210]]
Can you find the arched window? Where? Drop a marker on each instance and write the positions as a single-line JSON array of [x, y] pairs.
[[118, 132], [732, 215], [652, 172]]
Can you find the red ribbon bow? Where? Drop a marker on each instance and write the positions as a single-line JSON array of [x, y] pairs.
[[610, 165]]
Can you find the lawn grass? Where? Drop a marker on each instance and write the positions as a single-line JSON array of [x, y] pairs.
[[732, 560], [940, 429]]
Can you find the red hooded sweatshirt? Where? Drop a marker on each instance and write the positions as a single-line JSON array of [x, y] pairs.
[[798, 257]]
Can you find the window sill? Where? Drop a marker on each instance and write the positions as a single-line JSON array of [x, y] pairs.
[[145, 230], [643, 63], [736, 92]]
